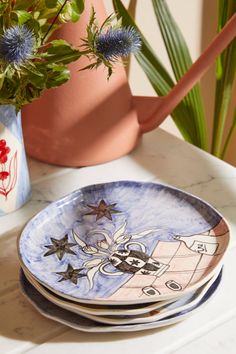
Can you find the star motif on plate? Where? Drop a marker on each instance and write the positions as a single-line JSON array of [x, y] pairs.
[[103, 210], [60, 247], [71, 274]]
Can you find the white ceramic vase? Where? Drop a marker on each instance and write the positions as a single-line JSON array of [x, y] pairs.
[[15, 187]]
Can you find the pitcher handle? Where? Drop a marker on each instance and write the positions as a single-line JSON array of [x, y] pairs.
[[166, 104]]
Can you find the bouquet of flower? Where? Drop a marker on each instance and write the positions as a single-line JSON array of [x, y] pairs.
[[30, 62]]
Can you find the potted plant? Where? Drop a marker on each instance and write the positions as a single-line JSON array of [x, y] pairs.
[[31, 62]]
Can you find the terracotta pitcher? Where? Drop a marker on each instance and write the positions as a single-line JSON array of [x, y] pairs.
[[90, 120]]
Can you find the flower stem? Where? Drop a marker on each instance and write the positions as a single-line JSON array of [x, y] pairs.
[[54, 20]]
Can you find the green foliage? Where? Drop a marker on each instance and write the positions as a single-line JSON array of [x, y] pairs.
[[189, 114], [181, 61], [21, 84], [30, 61], [60, 52], [225, 75]]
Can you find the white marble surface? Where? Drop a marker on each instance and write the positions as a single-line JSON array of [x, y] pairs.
[[160, 157]]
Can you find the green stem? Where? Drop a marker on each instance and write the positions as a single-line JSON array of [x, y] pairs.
[[229, 136]]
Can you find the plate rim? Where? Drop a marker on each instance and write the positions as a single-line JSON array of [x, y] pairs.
[[103, 319], [123, 328], [102, 313]]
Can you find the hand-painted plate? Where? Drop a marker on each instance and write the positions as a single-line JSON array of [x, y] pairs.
[[56, 313], [97, 310], [162, 310], [124, 242]]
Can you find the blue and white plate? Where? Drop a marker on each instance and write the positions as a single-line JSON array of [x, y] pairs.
[[54, 312], [124, 242]]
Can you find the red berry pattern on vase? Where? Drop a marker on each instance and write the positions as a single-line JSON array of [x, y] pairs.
[[8, 169]]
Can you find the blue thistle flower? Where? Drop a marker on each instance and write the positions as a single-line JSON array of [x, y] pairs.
[[116, 43], [16, 44]]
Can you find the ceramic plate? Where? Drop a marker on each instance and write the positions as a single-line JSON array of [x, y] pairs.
[[49, 310], [124, 243], [97, 310], [162, 310]]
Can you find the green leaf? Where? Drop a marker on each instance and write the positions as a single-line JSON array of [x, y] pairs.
[[72, 10], [27, 94], [181, 61], [77, 7], [34, 26], [65, 13], [158, 77], [9, 88], [59, 42], [35, 77], [61, 51], [80, 5], [57, 75], [22, 16], [23, 4], [50, 4]]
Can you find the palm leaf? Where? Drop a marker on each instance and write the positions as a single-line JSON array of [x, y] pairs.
[[225, 74], [159, 77], [181, 61]]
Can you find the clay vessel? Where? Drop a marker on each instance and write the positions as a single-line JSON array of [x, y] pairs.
[[90, 120]]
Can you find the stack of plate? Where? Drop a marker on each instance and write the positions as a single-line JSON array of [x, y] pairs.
[[122, 256]]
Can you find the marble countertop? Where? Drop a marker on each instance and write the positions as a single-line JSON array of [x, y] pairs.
[[160, 157]]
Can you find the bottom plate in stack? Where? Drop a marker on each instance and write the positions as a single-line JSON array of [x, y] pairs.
[[81, 322]]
